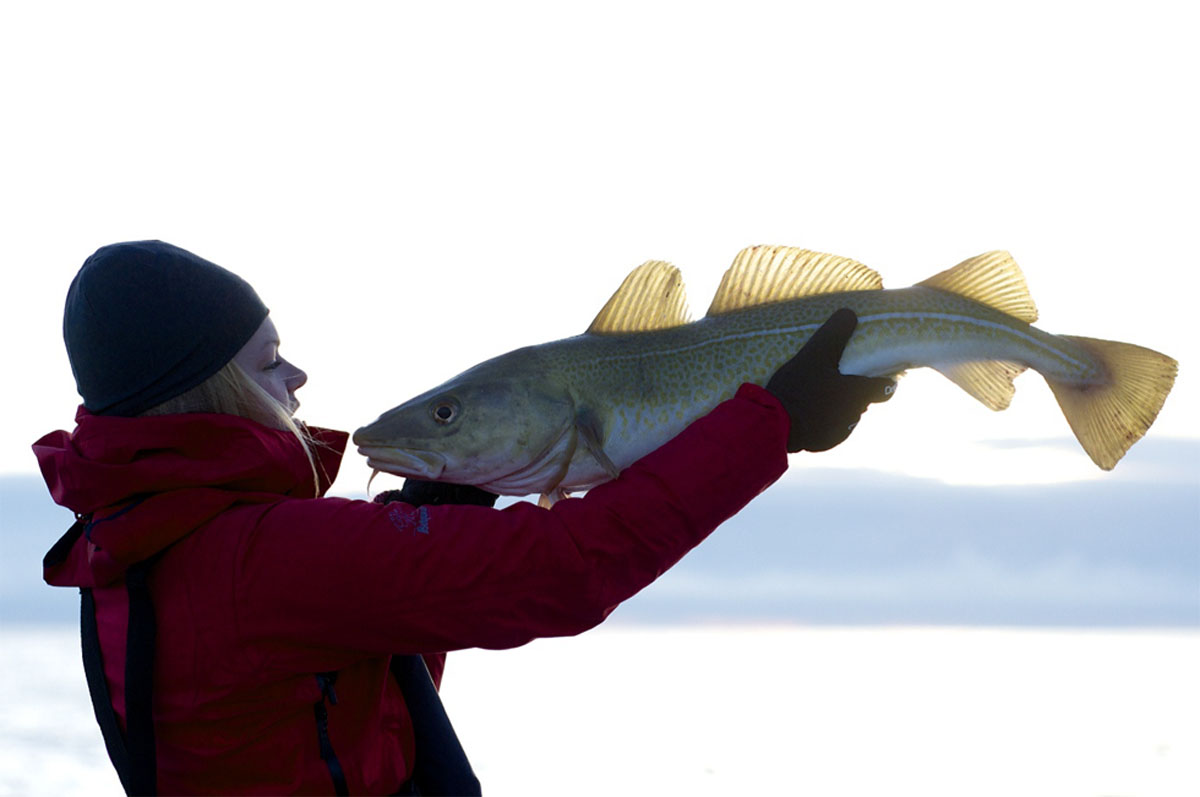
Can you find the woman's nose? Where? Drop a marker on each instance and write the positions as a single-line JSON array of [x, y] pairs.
[[296, 379]]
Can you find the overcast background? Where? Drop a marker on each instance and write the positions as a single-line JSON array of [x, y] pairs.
[[415, 187]]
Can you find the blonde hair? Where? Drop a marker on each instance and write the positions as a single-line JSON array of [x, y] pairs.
[[231, 391]]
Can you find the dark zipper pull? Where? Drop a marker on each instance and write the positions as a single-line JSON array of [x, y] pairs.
[[327, 680]]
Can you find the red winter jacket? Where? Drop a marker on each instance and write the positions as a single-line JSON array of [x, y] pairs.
[[265, 584]]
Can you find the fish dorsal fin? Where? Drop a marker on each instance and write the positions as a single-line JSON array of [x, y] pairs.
[[766, 274], [651, 297], [989, 381], [992, 278]]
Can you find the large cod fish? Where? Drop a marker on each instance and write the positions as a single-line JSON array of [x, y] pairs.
[[570, 414]]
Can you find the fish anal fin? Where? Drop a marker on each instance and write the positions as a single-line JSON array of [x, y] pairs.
[[1110, 416], [767, 274], [651, 297], [992, 278], [588, 429], [989, 381]]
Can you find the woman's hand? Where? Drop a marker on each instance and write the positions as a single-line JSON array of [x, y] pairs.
[[823, 403], [419, 493]]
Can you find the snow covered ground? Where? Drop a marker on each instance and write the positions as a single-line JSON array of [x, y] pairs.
[[695, 710]]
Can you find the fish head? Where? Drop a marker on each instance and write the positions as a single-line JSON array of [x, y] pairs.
[[495, 430]]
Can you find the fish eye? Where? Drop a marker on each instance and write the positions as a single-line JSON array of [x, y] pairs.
[[444, 412]]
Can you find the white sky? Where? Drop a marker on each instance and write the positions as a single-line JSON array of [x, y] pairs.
[[415, 187]]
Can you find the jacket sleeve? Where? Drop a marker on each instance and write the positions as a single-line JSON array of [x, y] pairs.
[[357, 576]]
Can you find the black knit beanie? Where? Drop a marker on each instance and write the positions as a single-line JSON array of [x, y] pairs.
[[146, 321]]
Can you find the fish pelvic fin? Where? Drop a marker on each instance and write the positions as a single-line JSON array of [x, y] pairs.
[[1110, 416], [989, 381], [992, 278], [651, 297], [587, 426], [768, 274]]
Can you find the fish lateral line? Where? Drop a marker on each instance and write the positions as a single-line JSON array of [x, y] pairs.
[[864, 322]]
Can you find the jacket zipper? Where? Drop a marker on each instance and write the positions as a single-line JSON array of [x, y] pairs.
[[325, 681]]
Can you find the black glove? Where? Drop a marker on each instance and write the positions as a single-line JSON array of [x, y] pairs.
[[418, 493], [823, 403]]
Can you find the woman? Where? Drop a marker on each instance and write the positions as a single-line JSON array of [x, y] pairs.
[[270, 617]]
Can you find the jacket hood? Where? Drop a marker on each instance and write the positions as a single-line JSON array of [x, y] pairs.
[[149, 481]]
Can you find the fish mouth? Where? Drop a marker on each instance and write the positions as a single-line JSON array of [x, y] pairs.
[[404, 462]]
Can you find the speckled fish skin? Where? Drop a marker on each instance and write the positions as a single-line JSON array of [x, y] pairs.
[[651, 385]]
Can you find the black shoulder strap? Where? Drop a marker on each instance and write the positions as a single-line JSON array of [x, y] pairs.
[[139, 682], [441, 767], [93, 668], [93, 663], [132, 753]]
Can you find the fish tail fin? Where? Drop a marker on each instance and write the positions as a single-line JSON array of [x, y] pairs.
[[1110, 416]]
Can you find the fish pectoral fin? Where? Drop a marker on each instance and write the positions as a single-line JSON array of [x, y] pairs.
[[651, 297], [992, 278], [588, 429], [768, 274], [989, 381], [547, 500]]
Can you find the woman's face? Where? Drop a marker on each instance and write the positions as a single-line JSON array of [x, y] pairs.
[[260, 359]]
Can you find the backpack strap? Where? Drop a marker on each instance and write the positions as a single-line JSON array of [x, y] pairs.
[[93, 668], [132, 752], [441, 766], [93, 664], [139, 681]]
